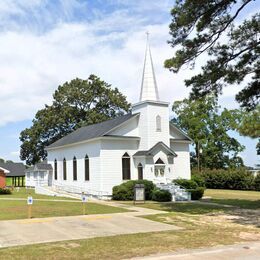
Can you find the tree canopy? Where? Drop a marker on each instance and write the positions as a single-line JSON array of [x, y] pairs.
[[209, 128], [76, 103], [250, 125], [214, 27]]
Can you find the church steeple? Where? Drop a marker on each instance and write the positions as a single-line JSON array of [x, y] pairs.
[[149, 90]]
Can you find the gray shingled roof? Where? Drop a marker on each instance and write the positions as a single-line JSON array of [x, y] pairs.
[[40, 166], [91, 131], [15, 169], [150, 151]]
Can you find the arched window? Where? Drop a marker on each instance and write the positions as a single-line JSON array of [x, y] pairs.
[[140, 171], [64, 170], [158, 124], [75, 177], [55, 170], [86, 168], [126, 172]]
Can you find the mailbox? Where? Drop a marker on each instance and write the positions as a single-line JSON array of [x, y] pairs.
[[139, 193]]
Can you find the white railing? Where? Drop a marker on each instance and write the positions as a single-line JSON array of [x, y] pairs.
[[79, 190]]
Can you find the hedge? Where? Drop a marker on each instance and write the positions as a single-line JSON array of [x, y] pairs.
[[238, 179], [5, 191], [257, 182]]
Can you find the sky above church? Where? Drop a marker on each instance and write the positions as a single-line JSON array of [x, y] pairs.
[[44, 43]]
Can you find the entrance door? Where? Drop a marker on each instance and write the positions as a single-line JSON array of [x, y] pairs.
[[159, 171], [140, 171]]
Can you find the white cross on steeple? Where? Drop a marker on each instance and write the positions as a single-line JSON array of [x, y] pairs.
[[149, 90]]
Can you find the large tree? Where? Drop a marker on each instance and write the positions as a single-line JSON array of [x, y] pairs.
[[214, 27], [75, 103], [209, 128], [250, 125]]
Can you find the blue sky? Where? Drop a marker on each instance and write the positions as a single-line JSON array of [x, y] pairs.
[[44, 43]]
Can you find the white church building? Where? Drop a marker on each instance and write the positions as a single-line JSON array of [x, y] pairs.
[[140, 145]]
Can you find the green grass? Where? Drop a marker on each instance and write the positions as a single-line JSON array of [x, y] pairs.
[[241, 199], [11, 209], [18, 209], [185, 207], [232, 194], [24, 193], [200, 229]]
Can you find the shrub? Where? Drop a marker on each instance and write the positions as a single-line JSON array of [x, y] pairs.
[[257, 182], [161, 195], [125, 191], [197, 193], [238, 179], [5, 191], [187, 184], [199, 180]]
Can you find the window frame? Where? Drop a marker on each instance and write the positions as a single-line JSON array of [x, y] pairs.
[[86, 161], [75, 171], [126, 167], [55, 169], [64, 169], [158, 123]]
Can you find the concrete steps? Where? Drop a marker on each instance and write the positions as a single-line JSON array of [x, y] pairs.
[[178, 193]]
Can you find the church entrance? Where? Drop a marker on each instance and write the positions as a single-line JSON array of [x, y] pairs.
[[159, 171]]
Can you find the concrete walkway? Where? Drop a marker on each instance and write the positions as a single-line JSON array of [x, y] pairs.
[[245, 251], [41, 230]]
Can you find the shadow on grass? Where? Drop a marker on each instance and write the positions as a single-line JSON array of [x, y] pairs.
[[240, 203], [190, 208]]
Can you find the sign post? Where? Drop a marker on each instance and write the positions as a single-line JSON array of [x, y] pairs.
[[29, 203], [139, 193], [84, 200]]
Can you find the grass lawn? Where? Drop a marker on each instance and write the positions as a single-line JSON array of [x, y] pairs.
[[24, 193], [18, 209], [242, 199], [11, 209], [203, 225]]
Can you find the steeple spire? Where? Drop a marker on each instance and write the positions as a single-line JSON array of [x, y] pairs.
[[149, 90]]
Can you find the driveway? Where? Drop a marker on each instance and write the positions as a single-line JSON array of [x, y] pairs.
[[41, 230]]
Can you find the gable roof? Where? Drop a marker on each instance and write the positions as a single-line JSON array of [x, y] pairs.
[[168, 150], [15, 169], [180, 131], [91, 131], [40, 167], [4, 170]]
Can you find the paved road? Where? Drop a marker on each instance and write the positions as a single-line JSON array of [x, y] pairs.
[[32, 231], [247, 251]]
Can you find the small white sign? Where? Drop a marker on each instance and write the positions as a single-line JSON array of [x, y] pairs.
[[30, 200], [84, 198], [139, 194]]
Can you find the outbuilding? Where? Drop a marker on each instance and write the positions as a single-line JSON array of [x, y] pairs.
[[15, 173], [3, 173]]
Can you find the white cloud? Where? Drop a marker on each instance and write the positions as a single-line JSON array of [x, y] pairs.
[[33, 64]]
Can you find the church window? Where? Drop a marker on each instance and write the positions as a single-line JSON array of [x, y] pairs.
[[55, 170], [140, 171], [75, 177], [126, 171], [86, 168], [64, 170], [158, 124]]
